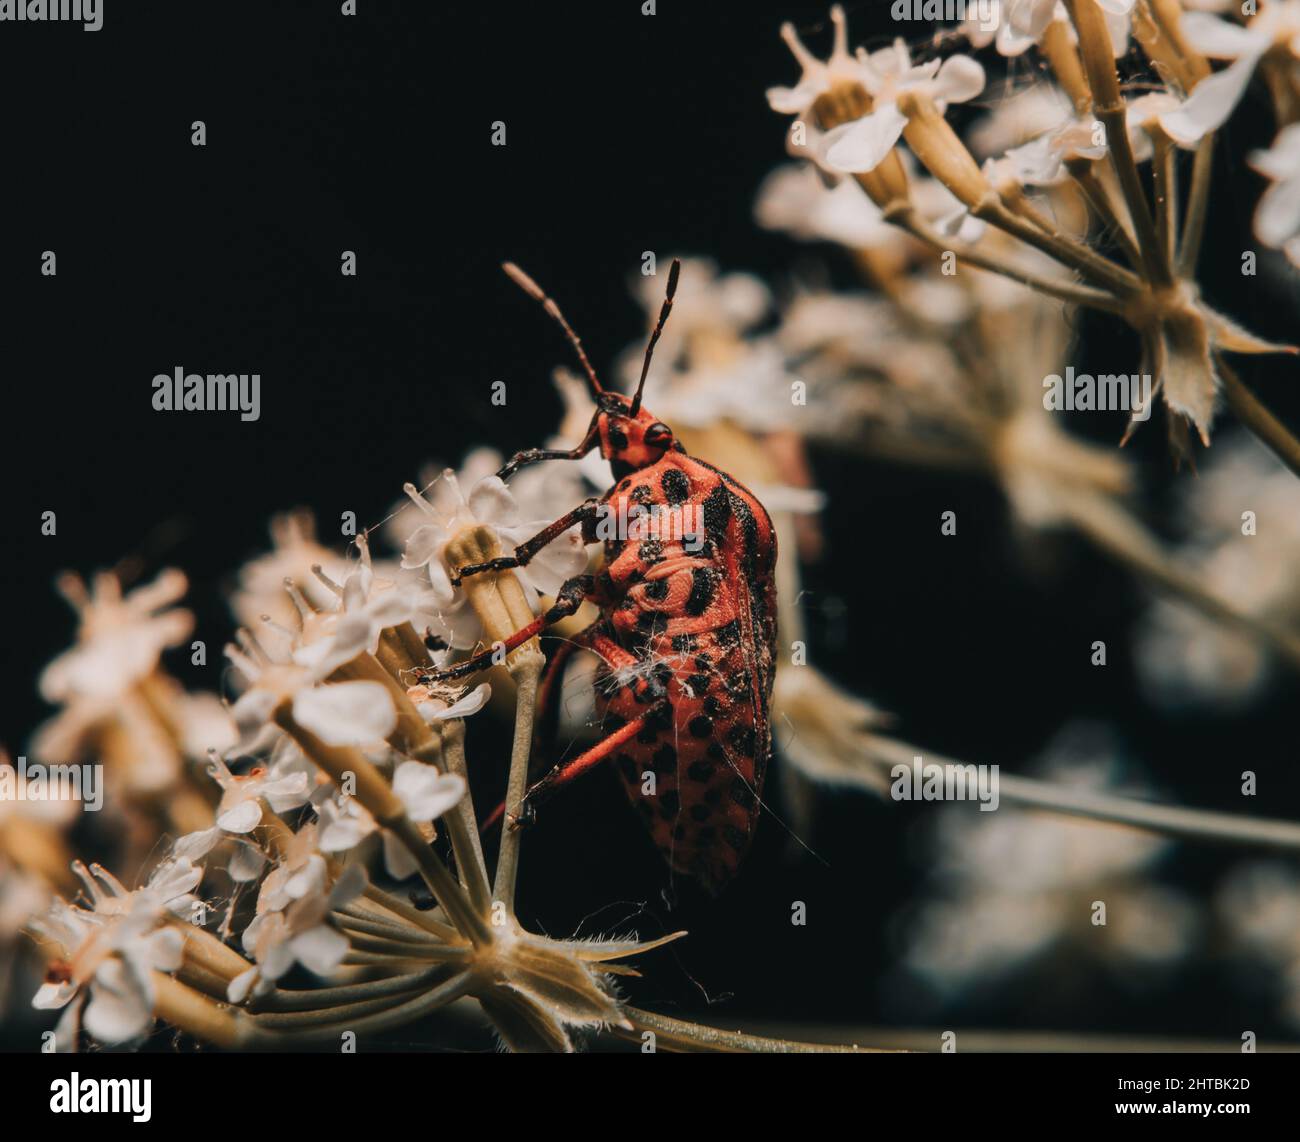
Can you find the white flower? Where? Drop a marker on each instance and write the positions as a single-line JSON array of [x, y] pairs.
[[300, 872], [1023, 23], [240, 810], [797, 200], [1025, 115], [366, 606], [490, 504], [112, 957], [426, 794], [1277, 217], [433, 707], [1210, 104], [169, 889], [818, 78], [300, 934], [121, 636], [478, 464], [863, 144], [285, 785], [339, 713], [295, 552], [1277, 25], [1041, 161]]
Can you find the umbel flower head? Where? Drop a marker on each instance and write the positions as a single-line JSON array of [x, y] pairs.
[[866, 112]]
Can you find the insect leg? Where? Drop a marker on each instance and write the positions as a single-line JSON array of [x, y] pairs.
[[569, 598], [550, 690], [575, 767], [534, 455], [584, 513]]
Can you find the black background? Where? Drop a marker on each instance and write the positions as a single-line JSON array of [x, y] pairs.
[[625, 133]]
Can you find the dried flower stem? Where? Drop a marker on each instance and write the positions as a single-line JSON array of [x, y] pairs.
[[349, 993], [445, 888], [1198, 206], [1248, 409], [1108, 106], [1164, 173], [526, 673], [259, 1037], [907, 219], [398, 907], [679, 1035], [196, 1014], [1116, 532], [1167, 820], [1099, 199], [462, 825], [350, 919], [344, 1014]]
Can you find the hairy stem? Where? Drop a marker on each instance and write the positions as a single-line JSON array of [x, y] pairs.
[[679, 1035], [526, 674]]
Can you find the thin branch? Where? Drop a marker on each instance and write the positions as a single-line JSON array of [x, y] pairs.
[[1117, 533], [1149, 816], [679, 1035], [1062, 290], [1248, 409], [1198, 203], [526, 675]]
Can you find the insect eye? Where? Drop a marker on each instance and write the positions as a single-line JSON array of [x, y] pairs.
[[657, 433]]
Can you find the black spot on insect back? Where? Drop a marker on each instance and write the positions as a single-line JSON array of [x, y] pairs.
[[717, 512], [704, 585], [676, 486]]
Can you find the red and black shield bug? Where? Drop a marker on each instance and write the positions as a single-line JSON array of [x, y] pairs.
[[687, 630]]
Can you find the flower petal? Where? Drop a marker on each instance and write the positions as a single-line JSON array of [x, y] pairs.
[[960, 78], [426, 793], [425, 543], [320, 949], [1209, 106], [346, 713], [491, 502], [242, 817], [865, 143]]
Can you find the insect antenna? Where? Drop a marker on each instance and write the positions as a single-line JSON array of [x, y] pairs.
[[673, 274], [530, 287]]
